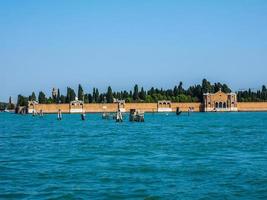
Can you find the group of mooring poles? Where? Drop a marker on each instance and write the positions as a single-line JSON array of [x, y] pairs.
[[135, 115], [34, 113], [59, 115]]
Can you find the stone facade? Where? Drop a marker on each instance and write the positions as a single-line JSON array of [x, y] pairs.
[[76, 106], [54, 92], [111, 107], [32, 107], [220, 102], [164, 106], [146, 107]]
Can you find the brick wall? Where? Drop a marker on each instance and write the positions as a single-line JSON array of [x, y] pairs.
[[252, 106], [146, 107]]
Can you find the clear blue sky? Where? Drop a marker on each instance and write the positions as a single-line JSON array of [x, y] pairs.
[[45, 44]]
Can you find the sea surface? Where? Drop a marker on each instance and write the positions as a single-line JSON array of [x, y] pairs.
[[201, 156]]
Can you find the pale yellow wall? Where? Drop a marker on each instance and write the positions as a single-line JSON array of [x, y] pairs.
[[252, 106], [52, 108], [99, 107], [219, 97], [146, 107], [112, 107], [185, 106]]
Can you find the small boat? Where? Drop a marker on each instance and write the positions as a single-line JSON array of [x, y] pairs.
[[178, 112], [6, 110], [136, 116]]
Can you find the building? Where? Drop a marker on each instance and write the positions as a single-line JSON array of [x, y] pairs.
[[54, 92], [164, 106], [121, 105], [220, 102], [76, 106], [31, 107]]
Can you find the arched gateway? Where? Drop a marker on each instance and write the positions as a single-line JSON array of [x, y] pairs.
[[220, 102]]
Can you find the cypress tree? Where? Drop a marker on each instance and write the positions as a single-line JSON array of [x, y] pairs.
[[41, 97], [135, 93], [142, 94], [58, 96], [90, 98], [96, 95], [33, 96], [80, 92], [70, 95], [206, 86], [62, 99], [109, 95], [180, 88]]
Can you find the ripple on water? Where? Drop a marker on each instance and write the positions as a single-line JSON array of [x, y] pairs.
[[201, 156]]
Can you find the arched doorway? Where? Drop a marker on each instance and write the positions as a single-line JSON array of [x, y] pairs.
[[216, 105], [220, 105], [224, 105]]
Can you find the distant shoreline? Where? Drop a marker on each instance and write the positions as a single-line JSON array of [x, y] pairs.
[[146, 107]]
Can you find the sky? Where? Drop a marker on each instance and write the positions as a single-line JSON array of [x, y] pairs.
[[46, 44]]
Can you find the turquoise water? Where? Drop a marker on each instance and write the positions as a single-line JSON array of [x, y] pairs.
[[202, 156]]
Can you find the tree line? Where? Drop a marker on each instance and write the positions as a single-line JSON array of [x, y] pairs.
[[9, 105], [251, 96], [177, 94]]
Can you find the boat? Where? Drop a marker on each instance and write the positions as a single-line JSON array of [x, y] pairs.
[[136, 116], [178, 112]]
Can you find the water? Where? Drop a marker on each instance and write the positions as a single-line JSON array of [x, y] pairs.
[[202, 156]]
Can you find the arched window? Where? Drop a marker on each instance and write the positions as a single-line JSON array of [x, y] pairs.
[[220, 105], [224, 105], [216, 105]]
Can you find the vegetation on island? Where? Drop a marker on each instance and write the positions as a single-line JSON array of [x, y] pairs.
[[9, 105], [178, 93]]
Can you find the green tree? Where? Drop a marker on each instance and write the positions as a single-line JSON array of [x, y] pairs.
[[70, 95], [206, 86], [32, 97], [90, 98], [95, 95], [62, 99], [41, 97], [58, 96], [217, 86], [10, 106], [22, 101], [86, 99], [109, 95], [80, 92], [135, 93], [142, 94], [180, 88]]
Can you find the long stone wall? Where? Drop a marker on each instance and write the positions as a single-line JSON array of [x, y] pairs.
[[112, 107], [252, 106], [52, 108], [146, 107]]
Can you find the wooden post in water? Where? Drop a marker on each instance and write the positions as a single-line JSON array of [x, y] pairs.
[[59, 115], [83, 116], [178, 112], [119, 114], [41, 113]]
